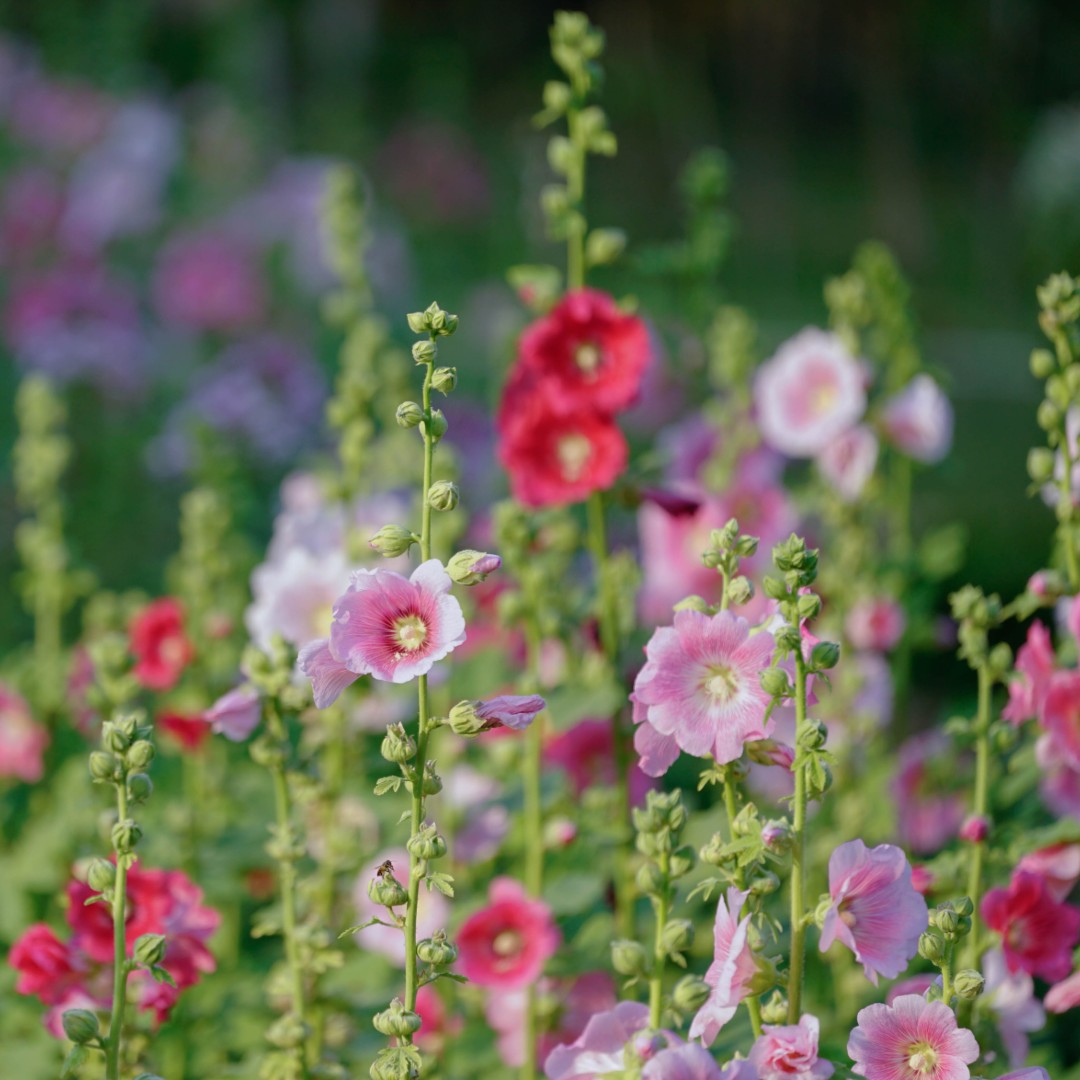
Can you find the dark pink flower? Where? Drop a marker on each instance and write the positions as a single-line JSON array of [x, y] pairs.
[[919, 420], [730, 971], [23, 740], [974, 829], [586, 753], [159, 644], [790, 1050], [912, 1039], [235, 715], [875, 909], [188, 732], [1035, 666], [1061, 715], [45, 965], [1038, 932], [507, 943]]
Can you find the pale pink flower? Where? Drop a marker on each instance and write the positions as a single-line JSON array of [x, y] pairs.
[[686, 1062], [22, 739], [1061, 715], [700, 683], [1058, 865], [1035, 666], [808, 394], [919, 420], [912, 1039], [656, 752], [914, 984], [875, 622], [236, 715], [731, 970], [1032, 1072], [1059, 786], [1065, 995], [600, 1048], [848, 462], [790, 1050], [506, 944], [927, 815], [515, 711], [1011, 999], [387, 626], [875, 909]]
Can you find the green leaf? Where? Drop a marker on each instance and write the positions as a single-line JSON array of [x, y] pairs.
[[387, 783]]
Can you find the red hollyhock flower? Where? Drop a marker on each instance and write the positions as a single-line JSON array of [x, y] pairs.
[[189, 732], [44, 964], [159, 644], [587, 353]]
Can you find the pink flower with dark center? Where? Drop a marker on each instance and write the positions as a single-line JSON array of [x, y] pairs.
[[1035, 666], [875, 909], [506, 944], [1061, 715], [23, 740], [1038, 933], [700, 683], [848, 462], [600, 1048], [809, 394], [790, 1050], [387, 626], [236, 715], [876, 623], [731, 970], [1058, 865], [912, 1039], [919, 420]]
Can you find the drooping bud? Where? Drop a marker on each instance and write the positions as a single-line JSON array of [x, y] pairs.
[[471, 567], [392, 540], [432, 780]]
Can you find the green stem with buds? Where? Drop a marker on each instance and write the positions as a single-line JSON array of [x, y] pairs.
[[656, 975], [120, 960], [798, 852]]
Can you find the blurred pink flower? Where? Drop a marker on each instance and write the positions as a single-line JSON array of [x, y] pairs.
[[22, 739], [876, 911], [599, 1049], [30, 210], [1011, 1001], [1064, 995], [235, 715], [1061, 715], [730, 971], [514, 711], [875, 622], [808, 394], [61, 117], [586, 754], [927, 816], [790, 1051], [848, 462], [1035, 666], [919, 420], [912, 1039], [686, 1062], [1059, 785], [1058, 865]]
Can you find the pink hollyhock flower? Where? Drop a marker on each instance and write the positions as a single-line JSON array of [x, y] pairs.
[[1059, 786], [1035, 667], [46, 968], [188, 732], [912, 1039], [731, 970], [507, 943], [875, 909], [600, 1048], [22, 739], [209, 281], [159, 644], [789, 1050], [700, 683], [1011, 1001], [656, 752], [808, 394], [586, 754], [875, 622], [927, 816], [919, 420], [686, 1062], [974, 829], [586, 354], [1064, 995], [848, 462], [387, 626], [1038, 933], [235, 715], [1061, 715], [437, 1027], [916, 984], [514, 711], [1058, 865], [922, 880]]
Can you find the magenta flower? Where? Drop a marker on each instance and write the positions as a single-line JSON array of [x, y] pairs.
[[919, 420], [1035, 666], [236, 715], [848, 462], [387, 626], [731, 969], [912, 1039], [586, 753], [700, 684], [507, 943], [790, 1050], [599, 1049], [809, 394], [875, 909], [927, 816], [1038, 933]]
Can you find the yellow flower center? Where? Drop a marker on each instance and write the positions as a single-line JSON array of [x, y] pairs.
[[823, 398], [508, 943], [923, 1058], [588, 359], [410, 632], [573, 452], [721, 682]]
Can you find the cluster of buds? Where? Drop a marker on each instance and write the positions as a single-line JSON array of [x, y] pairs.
[[950, 923], [122, 760], [727, 548], [976, 615], [744, 860]]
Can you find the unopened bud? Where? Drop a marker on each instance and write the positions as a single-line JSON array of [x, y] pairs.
[[964, 907], [471, 567], [101, 875], [444, 379], [418, 322], [764, 884], [139, 787], [1042, 363], [427, 844], [443, 495], [117, 735], [126, 835], [813, 735], [80, 1026], [975, 829], [808, 606], [394, 1063], [777, 836], [149, 949], [1040, 464], [690, 993], [385, 889], [968, 984], [649, 879], [437, 950], [397, 1020], [140, 754], [392, 540], [824, 655], [693, 603], [681, 862], [932, 947], [103, 766], [409, 414], [437, 426], [466, 721], [677, 936], [424, 352], [397, 745], [629, 958], [740, 590], [775, 1010], [775, 682], [432, 780]]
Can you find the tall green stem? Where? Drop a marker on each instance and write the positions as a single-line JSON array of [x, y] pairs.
[[798, 853], [656, 976], [120, 960], [575, 190], [981, 805]]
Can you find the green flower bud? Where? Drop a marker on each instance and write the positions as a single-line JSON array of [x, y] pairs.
[[932, 947], [397, 745], [963, 907], [557, 97], [824, 905], [126, 835], [396, 1020], [139, 787], [775, 682], [693, 603], [681, 862], [117, 735], [824, 655], [774, 588], [717, 852], [437, 950], [649, 879], [740, 590], [1048, 416], [287, 1032], [427, 844], [471, 567], [418, 322], [690, 993], [424, 352], [604, 246], [408, 414], [677, 936], [560, 154], [395, 1063], [1040, 464], [103, 766], [140, 754], [629, 958], [444, 379], [813, 735], [764, 883], [968, 984], [1057, 391], [385, 889], [392, 540], [80, 1025], [432, 780], [149, 949], [465, 721], [443, 495], [437, 427], [775, 1010], [808, 606], [1042, 363], [101, 875]]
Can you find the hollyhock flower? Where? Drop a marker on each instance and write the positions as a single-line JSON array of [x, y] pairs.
[[208, 281], [686, 1062], [599, 1049], [507, 943], [586, 354], [1059, 785], [927, 816], [808, 394], [436, 1026], [1065, 995], [1058, 865], [188, 732], [700, 683], [387, 626], [915, 984], [875, 622], [159, 644], [23, 740], [656, 752], [789, 1050], [586, 754], [875, 909], [1032, 1072], [730, 971], [235, 715], [1012, 1002], [922, 880], [919, 420], [1061, 715], [1035, 666], [1038, 933], [514, 711], [848, 462], [912, 1039], [45, 965]]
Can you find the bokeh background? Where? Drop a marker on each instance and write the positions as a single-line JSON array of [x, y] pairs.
[[951, 132]]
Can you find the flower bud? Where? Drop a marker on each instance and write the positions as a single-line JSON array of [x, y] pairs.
[[80, 1026], [392, 540], [557, 96], [777, 836], [437, 950], [126, 835], [649, 879], [397, 1020], [945, 919], [139, 787], [427, 844], [140, 754], [409, 414], [693, 603], [443, 495], [677, 936], [808, 606], [764, 883], [974, 829], [717, 852], [813, 735], [385, 889], [465, 721], [444, 379], [775, 1010], [774, 588], [1040, 464], [963, 907], [424, 352], [117, 736], [1042, 363], [604, 246], [824, 655], [824, 906], [101, 875], [103, 766], [437, 427], [432, 780], [932, 947], [1048, 416], [394, 1063], [740, 590], [471, 567], [690, 993], [681, 862], [968, 984], [418, 322], [629, 958], [149, 949], [775, 682], [397, 745]]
